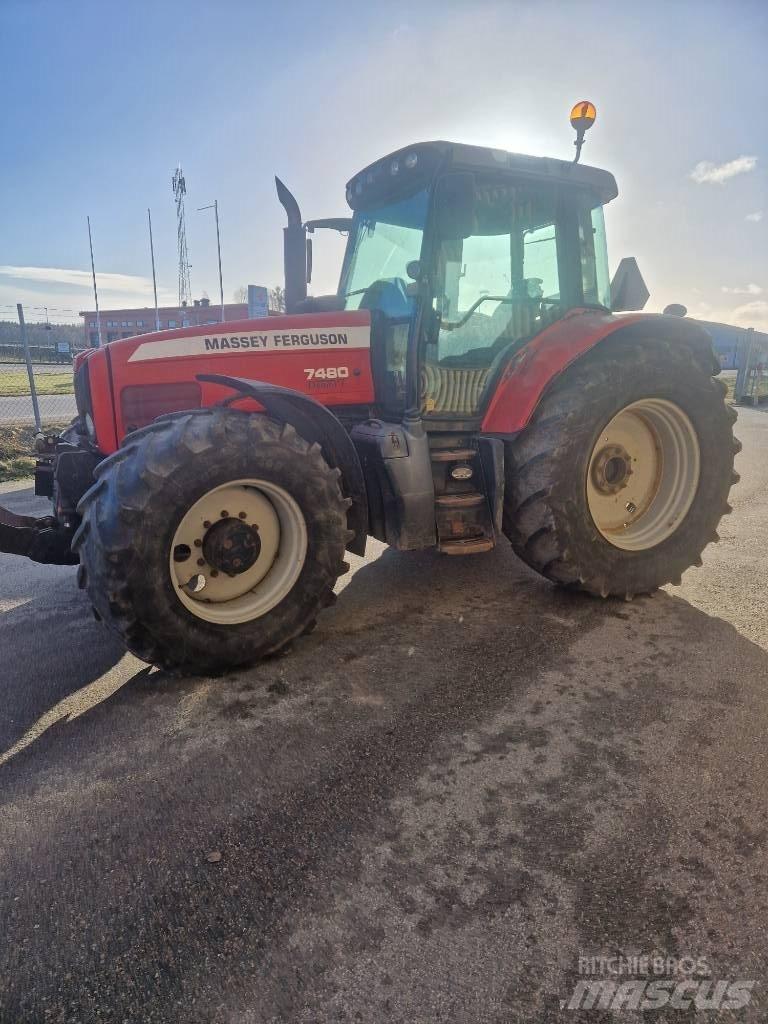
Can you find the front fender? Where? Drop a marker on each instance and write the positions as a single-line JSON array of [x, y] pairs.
[[533, 368], [315, 423]]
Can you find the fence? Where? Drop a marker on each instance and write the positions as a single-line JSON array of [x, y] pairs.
[[36, 383], [751, 386]]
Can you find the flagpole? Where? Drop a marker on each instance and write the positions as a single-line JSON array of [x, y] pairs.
[[154, 279], [95, 291]]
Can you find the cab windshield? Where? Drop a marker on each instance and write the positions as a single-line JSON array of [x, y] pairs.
[[383, 241]]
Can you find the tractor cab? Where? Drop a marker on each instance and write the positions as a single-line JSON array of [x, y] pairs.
[[461, 254]]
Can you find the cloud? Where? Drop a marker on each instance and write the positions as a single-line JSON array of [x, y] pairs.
[[755, 217], [752, 314], [707, 173], [67, 291], [129, 283], [747, 289]]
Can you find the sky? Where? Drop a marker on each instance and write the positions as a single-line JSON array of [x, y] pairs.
[[101, 100]]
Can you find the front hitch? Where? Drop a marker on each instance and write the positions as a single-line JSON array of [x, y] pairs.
[[41, 539]]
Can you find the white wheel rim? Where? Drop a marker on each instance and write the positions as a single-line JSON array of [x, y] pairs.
[[643, 474], [216, 596]]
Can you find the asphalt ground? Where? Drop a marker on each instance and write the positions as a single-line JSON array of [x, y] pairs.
[[427, 810]]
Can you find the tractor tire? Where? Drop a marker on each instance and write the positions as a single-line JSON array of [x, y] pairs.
[[619, 481], [190, 512]]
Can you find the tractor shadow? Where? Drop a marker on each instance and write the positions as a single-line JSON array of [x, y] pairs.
[[393, 632], [402, 625]]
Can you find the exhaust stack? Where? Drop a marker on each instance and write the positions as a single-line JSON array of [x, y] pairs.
[[294, 250]]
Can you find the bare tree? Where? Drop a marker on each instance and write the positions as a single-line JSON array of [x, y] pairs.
[[277, 299], [240, 294]]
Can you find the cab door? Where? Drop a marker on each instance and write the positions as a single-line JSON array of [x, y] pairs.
[[494, 287]]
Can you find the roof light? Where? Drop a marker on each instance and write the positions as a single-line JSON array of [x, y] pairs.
[[394, 167], [411, 160], [359, 188], [583, 115]]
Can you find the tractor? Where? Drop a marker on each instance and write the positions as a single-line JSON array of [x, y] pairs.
[[476, 376]]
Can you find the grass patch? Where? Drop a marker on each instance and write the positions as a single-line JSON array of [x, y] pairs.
[[16, 384], [17, 458], [17, 451]]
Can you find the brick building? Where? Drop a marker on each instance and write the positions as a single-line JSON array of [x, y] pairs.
[[126, 323]]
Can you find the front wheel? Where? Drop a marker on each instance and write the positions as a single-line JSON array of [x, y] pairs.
[[212, 539], [621, 478]]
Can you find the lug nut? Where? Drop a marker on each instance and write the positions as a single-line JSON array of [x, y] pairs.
[[631, 507], [225, 515], [241, 515], [207, 524], [214, 572], [201, 561], [198, 543]]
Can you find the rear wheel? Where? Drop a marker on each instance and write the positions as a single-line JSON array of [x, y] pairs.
[[619, 481], [212, 539]]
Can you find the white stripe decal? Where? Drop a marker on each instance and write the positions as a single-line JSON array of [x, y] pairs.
[[259, 341]]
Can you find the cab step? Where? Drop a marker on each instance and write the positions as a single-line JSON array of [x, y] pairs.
[[459, 500], [462, 512], [452, 454], [466, 546]]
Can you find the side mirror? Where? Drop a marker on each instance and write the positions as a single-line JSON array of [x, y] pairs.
[[628, 289], [455, 205]]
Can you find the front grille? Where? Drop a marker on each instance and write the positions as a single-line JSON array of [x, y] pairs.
[[142, 404]]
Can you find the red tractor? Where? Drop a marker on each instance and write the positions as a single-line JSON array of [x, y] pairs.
[[469, 380]]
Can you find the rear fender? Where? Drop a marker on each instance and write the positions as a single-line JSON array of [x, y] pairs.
[[533, 369], [317, 424]]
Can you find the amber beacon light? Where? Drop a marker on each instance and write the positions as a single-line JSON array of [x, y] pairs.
[[583, 116]]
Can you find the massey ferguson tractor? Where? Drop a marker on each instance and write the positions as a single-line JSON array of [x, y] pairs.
[[470, 380]]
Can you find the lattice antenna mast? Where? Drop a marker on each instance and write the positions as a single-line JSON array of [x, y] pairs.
[[179, 191]]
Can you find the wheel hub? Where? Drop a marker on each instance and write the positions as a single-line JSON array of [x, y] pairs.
[[231, 546], [611, 469]]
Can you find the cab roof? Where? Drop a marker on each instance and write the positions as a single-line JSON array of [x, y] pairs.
[[379, 178]]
